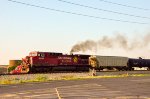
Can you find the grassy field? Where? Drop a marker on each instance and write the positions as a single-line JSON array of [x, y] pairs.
[[3, 69]]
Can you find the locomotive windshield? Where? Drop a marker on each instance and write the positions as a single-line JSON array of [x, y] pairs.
[[33, 54]]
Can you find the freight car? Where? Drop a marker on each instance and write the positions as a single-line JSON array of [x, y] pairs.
[[118, 63], [139, 63], [111, 62], [51, 61]]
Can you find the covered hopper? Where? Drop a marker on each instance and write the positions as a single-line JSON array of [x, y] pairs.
[[113, 61]]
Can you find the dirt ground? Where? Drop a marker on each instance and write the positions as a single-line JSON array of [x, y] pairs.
[[3, 69]]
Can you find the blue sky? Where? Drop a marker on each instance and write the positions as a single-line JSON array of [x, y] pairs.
[[25, 28]]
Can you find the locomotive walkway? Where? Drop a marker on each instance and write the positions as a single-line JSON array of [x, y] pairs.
[[106, 88]]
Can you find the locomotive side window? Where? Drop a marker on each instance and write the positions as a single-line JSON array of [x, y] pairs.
[[39, 54], [42, 55]]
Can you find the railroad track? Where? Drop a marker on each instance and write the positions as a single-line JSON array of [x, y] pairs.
[[55, 72], [101, 73], [98, 72]]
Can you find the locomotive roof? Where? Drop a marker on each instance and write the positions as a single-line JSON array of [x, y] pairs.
[[44, 52], [81, 54]]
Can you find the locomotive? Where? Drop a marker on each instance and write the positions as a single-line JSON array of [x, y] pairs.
[[37, 62], [51, 61]]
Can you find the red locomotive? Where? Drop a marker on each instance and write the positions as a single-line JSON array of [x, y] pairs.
[[50, 61]]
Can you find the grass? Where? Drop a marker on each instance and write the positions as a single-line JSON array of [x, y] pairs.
[[19, 80], [44, 78]]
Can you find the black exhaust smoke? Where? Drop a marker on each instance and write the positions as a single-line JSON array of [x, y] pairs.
[[111, 42]]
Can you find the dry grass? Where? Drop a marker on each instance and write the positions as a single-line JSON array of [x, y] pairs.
[[50, 77], [15, 79]]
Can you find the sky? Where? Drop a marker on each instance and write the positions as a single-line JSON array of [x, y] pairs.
[[47, 27]]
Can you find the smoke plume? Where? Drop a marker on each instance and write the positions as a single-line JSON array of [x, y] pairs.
[[118, 40], [84, 46]]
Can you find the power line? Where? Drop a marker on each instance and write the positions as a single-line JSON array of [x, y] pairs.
[[124, 5], [77, 4], [73, 13]]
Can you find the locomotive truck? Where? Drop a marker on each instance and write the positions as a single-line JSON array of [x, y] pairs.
[[37, 62]]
